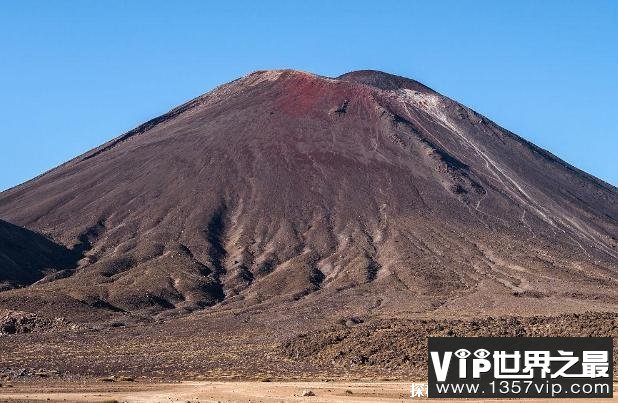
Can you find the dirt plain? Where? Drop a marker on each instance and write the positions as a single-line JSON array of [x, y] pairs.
[[266, 392]]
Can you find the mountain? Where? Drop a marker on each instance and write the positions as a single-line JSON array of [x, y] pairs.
[[290, 192]]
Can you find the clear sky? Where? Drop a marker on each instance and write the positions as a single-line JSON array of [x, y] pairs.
[[74, 74]]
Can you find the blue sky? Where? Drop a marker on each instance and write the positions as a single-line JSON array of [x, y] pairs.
[[74, 74]]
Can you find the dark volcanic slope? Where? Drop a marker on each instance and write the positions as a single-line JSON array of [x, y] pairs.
[[26, 257], [368, 192]]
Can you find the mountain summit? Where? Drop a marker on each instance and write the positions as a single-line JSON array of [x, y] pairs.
[[294, 192]]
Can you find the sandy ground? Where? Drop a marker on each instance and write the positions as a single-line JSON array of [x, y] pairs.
[[226, 392]]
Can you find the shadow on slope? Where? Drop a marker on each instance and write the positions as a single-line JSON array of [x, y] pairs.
[[27, 256]]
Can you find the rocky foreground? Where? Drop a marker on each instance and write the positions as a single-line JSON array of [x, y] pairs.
[[353, 348]]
